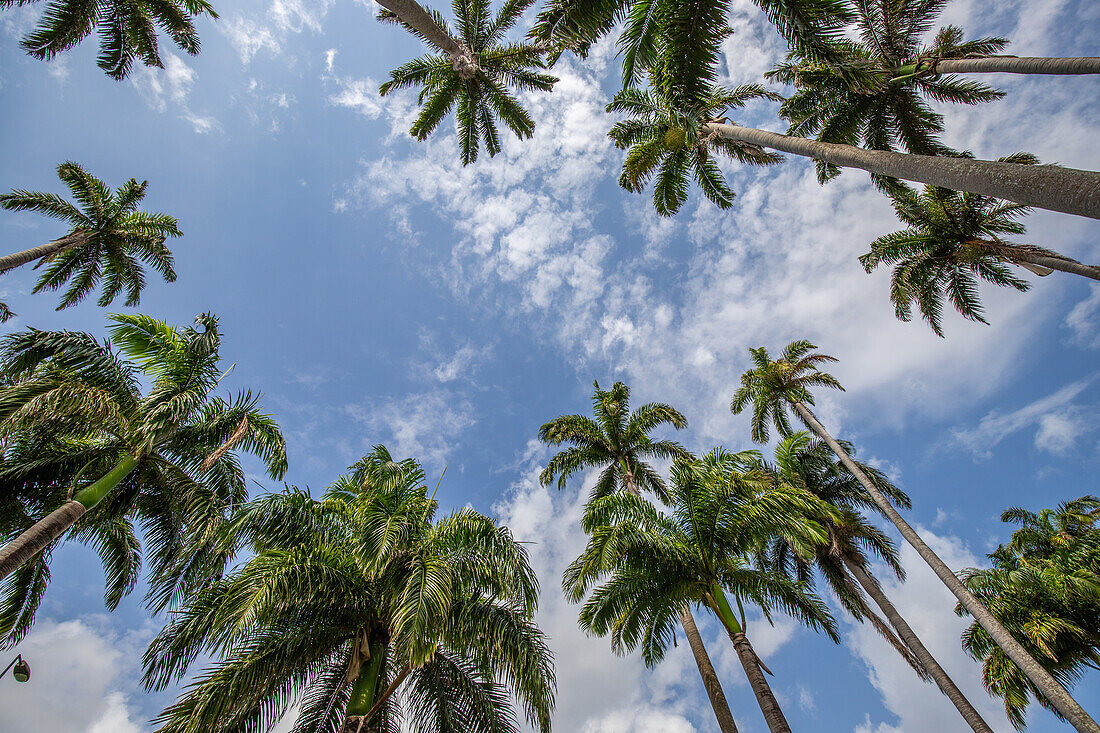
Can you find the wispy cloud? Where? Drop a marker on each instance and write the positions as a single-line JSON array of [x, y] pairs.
[[170, 88]]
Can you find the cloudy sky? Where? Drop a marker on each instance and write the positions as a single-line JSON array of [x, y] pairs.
[[376, 291]]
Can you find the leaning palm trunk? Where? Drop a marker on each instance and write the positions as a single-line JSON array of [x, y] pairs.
[[1050, 687], [12, 261], [1068, 190], [711, 683], [48, 529], [1005, 65], [411, 13], [943, 681], [1038, 260], [769, 706]]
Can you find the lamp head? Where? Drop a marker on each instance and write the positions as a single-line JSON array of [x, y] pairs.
[[21, 671]]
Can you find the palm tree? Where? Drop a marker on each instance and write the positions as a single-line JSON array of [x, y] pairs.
[[353, 598], [843, 560], [652, 564], [81, 436], [954, 238], [772, 387], [108, 240], [669, 142], [471, 75], [127, 31], [1044, 586], [618, 440]]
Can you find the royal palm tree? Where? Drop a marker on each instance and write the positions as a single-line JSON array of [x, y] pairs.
[[774, 386], [649, 564], [108, 239], [952, 239], [127, 31], [668, 142], [473, 73], [617, 440], [844, 559], [87, 452], [369, 609], [1044, 586]]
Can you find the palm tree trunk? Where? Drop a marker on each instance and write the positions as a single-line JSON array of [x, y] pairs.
[[1051, 187], [12, 261], [1019, 254], [702, 659], [1050, 687], [48, 529], [943, 681], [1008, 65], [366, 679], [718, 702], [411, 13]]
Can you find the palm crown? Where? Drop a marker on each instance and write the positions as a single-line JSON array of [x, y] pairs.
[[348, 598], [952, 240], [862, 100], [771, 386], [479, 95], [109, 237], [127, 31], [74, 409], [668, 142], [615, 438]]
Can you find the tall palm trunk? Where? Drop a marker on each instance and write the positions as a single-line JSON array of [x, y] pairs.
[[1006, 65], [414, 15], [702, 659], [943, 681], [48, 529], [765, 698], [366, 677], [1043, 261], [12, 261], [1050, 687], [1051, 187]]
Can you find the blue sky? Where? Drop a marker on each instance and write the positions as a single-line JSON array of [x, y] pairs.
[[376, 291]]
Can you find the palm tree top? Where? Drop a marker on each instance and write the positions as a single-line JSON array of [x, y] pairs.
[[111, 237], [616, 438], [770, 385]]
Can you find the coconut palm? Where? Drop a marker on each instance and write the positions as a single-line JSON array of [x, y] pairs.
[[952, 239], [617, 439], [774, 386], [127, 31], [108, 239], [667, 142], [87, 454], [844, 559], [473, 73], [368, 609], [642, 565], [1044, 586]]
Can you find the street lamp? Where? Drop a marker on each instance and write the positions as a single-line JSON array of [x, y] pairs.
[[22, 671]]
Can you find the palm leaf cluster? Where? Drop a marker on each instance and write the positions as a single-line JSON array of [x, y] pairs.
[[127, 31], [109, 238], [368, 608], [1044, 587], [481, 95], [863, 99], [72, 409]]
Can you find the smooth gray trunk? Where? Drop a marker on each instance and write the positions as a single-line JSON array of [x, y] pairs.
[[1062, 264], [1068, 190], [32, 541], [943, 681], [1020, 65], [414, 15], [1050, 687], [12, 261], [769, 706], [718, 702]]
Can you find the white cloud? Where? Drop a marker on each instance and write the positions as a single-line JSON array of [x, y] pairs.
[[1084, 320], [928, 606], [170, 87], [426, 425], [78, 671], [462, 364], [249, 37], [269, 31], [360, 95], [1059, 424]]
